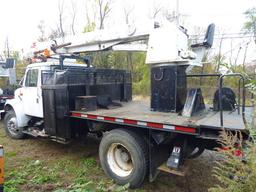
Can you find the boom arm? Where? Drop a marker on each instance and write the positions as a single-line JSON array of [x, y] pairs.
[[127, 40], [167, 44]]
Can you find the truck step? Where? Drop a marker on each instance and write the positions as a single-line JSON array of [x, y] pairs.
[[60, 140], [34, 132]]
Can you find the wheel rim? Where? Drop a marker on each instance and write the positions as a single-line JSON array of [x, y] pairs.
[[12, 126], [120, 160]]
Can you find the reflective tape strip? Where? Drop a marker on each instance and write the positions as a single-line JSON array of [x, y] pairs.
[[169, 127], [185, 129], [141, 123], [100, 118], [155, 125], [109, 119], [76, 114], [92, 116], [129, 121], [119, 120], [85, 116]]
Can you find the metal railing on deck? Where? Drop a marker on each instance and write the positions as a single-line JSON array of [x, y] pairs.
[[221, 77]]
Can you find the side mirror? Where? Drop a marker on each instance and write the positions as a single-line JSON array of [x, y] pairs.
[[21, 82], [209, 36]]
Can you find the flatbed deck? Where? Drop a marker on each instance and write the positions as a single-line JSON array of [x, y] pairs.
[[140, 111]]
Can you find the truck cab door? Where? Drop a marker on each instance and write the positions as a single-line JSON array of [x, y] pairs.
[[32, 94]]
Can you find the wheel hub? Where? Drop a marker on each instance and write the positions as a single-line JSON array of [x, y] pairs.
[[120, 160], [12, 126], [125, 156]]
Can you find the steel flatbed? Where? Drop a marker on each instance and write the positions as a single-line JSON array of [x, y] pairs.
[[138, 113]]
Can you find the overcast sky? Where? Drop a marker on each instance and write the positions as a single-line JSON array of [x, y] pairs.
[[19, 18]]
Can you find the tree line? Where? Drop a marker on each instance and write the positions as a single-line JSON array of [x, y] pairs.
[[135, 61]]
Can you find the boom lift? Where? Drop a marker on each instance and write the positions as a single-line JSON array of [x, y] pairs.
[[64, 101]]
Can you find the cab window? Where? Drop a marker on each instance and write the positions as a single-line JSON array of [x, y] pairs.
[[31, 78], [46, 77]]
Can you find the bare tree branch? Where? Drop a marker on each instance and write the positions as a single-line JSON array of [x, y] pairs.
[[61, 10], [231, 51], [238, 52], [157, 8], [127, 14], [41, 27], [220, 56], [245, 54], [90, 19], [156, 11], [73, 15], [104, 10]]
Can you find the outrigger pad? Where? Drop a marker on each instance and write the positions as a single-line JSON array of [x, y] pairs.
[[175, 158], [194, 102]]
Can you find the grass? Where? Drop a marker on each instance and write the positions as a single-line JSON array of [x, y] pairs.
[[41, 165], [37, 173]]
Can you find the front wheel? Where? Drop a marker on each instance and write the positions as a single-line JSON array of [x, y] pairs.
[[124, 157], [11, 126]]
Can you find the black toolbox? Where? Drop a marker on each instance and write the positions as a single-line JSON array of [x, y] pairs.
[[62, 87], [58, 101], [86, 103], [168, 88]]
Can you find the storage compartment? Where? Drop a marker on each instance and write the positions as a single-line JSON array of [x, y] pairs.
[[62, 87], [58, 101], [168, 88], [69, 76], [113, 82]]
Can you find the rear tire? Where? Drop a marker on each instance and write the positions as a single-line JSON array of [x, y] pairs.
[[11, 127], [124, 157]]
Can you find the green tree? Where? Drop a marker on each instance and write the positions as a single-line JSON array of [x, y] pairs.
[[20, 64], [250, 27], [250, 24], [91, 26], [20, 68], [104, 8]]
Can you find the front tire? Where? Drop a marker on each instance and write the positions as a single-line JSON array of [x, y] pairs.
[[11, 126], [124, 157]]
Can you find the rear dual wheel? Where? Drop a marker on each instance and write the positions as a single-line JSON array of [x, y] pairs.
[[124, 157]]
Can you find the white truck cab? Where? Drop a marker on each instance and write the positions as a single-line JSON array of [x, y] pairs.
[[27, 102]]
